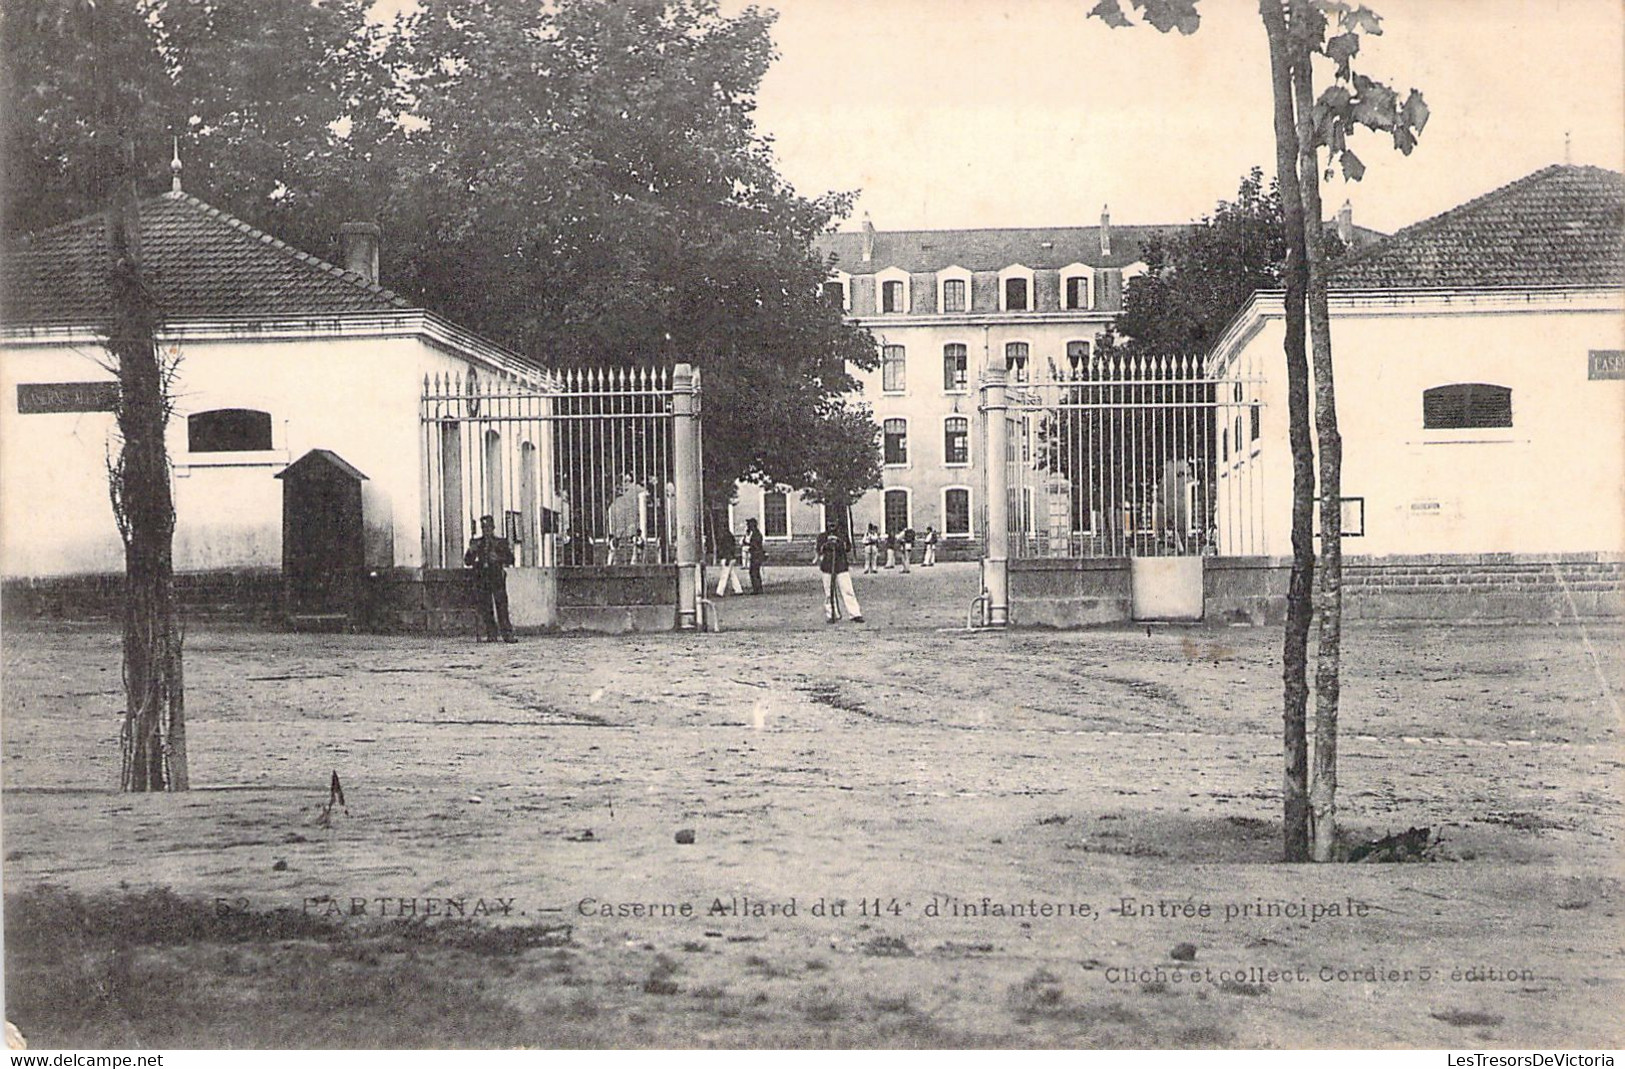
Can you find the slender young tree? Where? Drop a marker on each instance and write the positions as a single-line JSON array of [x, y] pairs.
[[1300, 587], [1329, 575], [1297, 31]]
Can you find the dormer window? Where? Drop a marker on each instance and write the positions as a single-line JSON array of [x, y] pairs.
[[1131, 272], [1016, 289], [1015, 295], [837, 292], [1077, 287], [892, 284], [953, 290]]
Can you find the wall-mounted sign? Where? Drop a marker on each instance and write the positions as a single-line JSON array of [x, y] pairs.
[[1353, 510], [1606, 364], [40, 398]]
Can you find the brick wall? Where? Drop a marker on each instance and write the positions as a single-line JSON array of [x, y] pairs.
[[1487, 585]]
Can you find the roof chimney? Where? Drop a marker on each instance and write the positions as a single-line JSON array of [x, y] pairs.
[[358, 243], [868, 239], [1345, 224], [1105, 230]]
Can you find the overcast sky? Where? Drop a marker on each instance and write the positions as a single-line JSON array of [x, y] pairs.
[[962, 113]]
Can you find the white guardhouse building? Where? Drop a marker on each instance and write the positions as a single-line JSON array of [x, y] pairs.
[[1480, 360], [284, 364]]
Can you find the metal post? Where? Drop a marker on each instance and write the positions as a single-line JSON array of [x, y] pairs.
[[996, 557], [686, 444]]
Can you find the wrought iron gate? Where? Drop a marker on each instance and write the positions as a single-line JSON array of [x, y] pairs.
[[1134, 457], [577, 467]]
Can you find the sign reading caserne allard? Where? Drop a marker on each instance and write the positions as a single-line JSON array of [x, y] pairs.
[[1606, 364], [37, 398]]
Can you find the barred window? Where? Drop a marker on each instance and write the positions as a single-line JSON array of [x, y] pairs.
[[1466, 404], [893, 369], [953, 295], [228, 430], [775, 514], [896, 441], [956, 512], [1015, 358], [955, 366], [956, 440]]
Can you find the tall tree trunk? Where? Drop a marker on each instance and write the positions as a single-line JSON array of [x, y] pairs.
[[154, 730], [1323, 787], [1300, 591]]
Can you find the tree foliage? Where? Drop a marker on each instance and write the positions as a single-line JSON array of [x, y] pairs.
[[581, 181], [256, 93], [1197, 280], [844, 461], [589, 186]]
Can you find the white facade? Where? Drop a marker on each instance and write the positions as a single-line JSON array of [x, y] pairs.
[[1553, 481], [349, 383]]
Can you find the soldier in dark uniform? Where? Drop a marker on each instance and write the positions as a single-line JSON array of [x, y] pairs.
[[756, 554], [488, 555]]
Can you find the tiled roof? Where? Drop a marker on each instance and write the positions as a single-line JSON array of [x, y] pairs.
[[989, 250], [1040, 248], [1561, 226], [200, 262]]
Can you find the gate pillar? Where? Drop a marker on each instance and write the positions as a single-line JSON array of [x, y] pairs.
[[995, 459], [686, 447]]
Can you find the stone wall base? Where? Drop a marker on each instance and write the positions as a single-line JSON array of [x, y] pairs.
[[237, 596], [424, 601], [1474, 587]]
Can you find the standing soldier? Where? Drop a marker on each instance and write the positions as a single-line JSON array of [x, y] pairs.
[[831, 554], [728, 562], [757, 553], [871, 550], [488, 555]]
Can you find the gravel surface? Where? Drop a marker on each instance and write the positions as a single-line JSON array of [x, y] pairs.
[[902, 832]]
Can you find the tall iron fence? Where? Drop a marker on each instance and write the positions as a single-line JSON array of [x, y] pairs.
[[1135, 457], [577, 467]]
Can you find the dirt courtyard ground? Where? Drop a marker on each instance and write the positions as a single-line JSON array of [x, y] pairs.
[[903, 833]]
